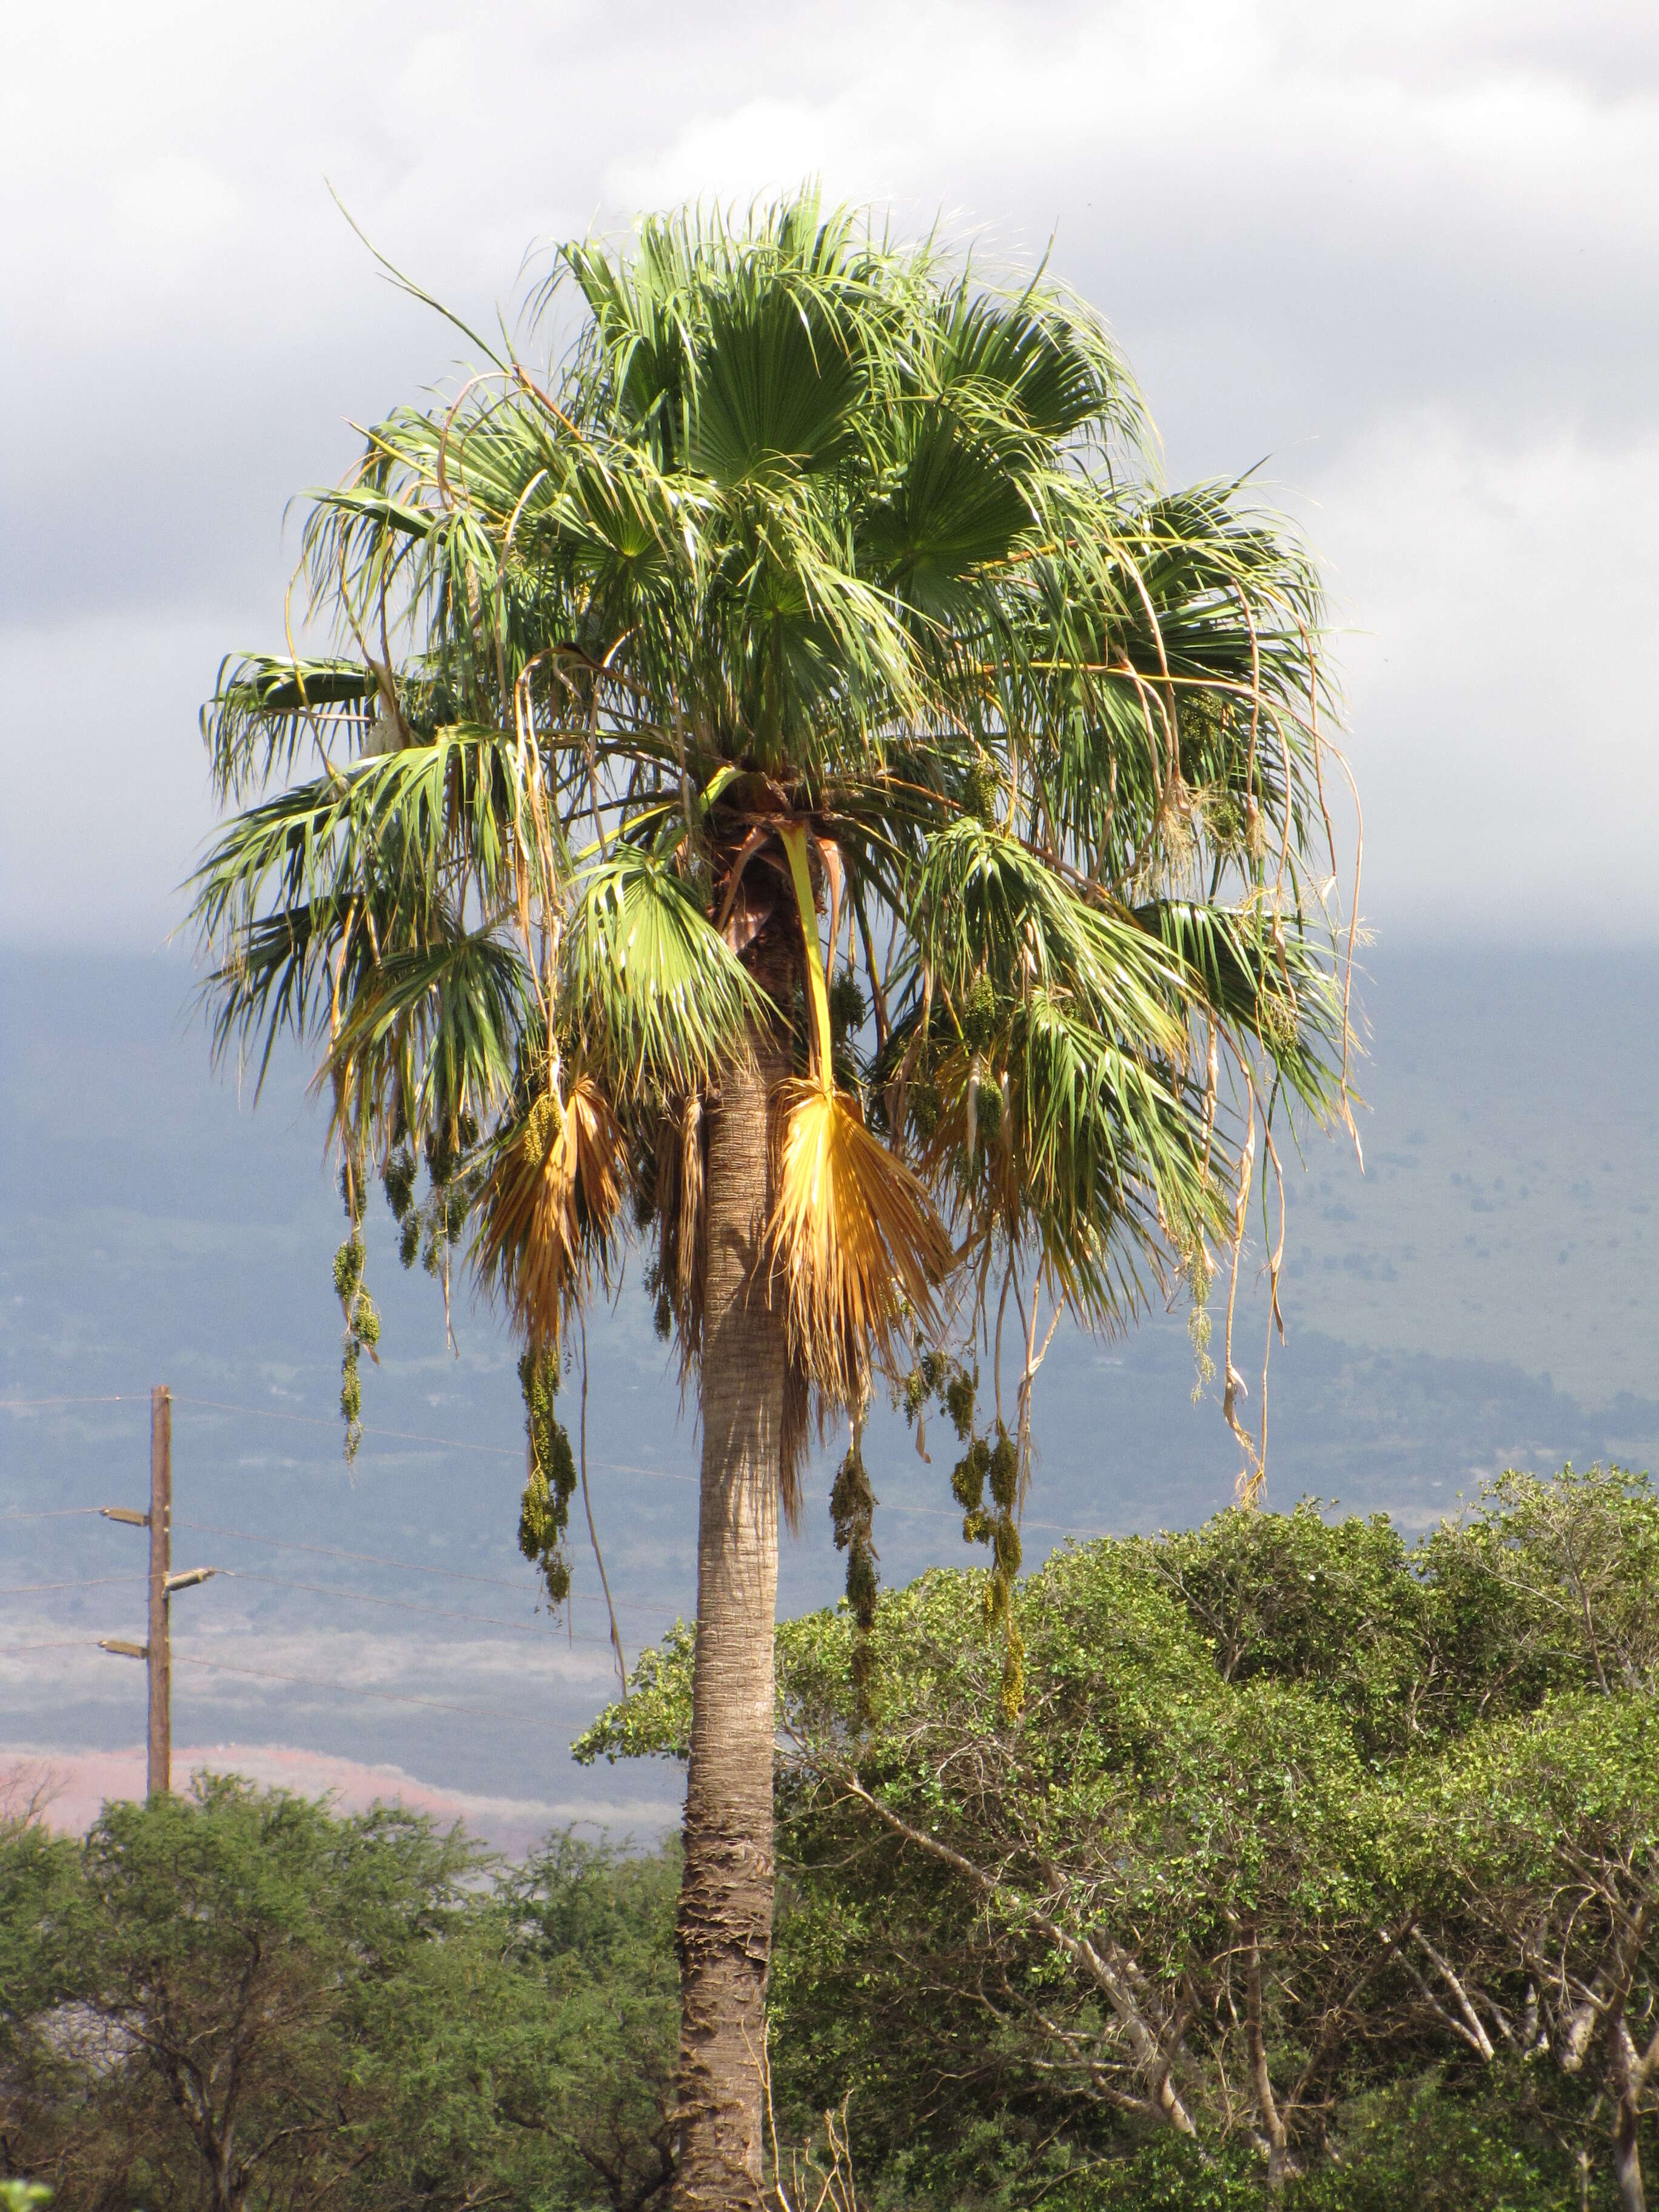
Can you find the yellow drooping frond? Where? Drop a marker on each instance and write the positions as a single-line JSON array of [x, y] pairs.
[[550, 1207], [854, 1236]]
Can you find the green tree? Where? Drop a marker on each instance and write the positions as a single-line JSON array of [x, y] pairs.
[[820, 596], [194, 1976], [596, 1938], [532, 2061], [1149, 1904], [1535, 1841], [1308, 1847], [242, 1998]]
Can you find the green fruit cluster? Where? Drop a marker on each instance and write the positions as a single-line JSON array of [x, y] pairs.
[[545, 1511]]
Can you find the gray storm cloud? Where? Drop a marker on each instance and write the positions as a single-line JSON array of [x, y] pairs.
[[1404, 254]]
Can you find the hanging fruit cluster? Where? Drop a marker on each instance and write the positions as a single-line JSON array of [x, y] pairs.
[[852, 1516], [429, 1230], [544, 1513], [988, 1465], [363, 1322]]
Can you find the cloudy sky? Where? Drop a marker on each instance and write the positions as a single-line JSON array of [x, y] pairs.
[[1403, 254]]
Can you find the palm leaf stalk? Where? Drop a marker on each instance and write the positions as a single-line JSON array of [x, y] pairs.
[[790, 765]]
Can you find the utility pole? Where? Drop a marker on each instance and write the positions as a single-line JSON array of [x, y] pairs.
[[158, 1763], [157, 1653]]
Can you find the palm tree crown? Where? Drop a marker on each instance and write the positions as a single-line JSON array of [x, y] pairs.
[[820, 578]]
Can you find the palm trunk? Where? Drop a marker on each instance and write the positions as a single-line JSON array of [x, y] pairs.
[[725, 1932]]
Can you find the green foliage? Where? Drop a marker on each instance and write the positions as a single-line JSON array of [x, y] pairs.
[[653, 1721], [1402, 1801], [657, 998], [240, 2000], [1446, 2143], [598, 1984], [1276, 1767], [209, 1958]]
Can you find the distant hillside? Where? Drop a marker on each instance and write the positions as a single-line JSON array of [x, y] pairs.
[[1484, 1294]]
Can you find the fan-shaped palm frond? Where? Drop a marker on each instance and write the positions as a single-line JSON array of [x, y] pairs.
[[436, 1035], [263, 710], [657, 998]]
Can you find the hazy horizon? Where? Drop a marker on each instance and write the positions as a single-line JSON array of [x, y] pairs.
[[1484, 1295], [1402, 260]]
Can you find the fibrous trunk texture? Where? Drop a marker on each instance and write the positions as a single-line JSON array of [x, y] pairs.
[[725, 1902]]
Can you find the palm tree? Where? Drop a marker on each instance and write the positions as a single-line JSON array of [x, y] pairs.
[[792, 788]]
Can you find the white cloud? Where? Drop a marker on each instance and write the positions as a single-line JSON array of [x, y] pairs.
[[173, 201], [1505, 733]]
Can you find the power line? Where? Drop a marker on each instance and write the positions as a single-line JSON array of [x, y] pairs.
[[396, 1605], [418, 1436], [347, 1689], [363, 1559], [63, 1643], [57, 1513], [608, 1465], [21, 1404], [93, 1582], [332, 1551], [278, 1581], [324, 1421], [303, 1681], [456, 1443]]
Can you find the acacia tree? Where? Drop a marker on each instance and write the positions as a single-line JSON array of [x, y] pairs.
[[791, 766], [182, 2017]]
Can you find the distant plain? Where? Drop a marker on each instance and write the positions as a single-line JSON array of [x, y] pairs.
[[1484, 1294]]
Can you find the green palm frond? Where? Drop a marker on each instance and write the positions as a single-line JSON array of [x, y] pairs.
[[987, 909], [426, 817], [435, 1034], [1274, 990], [657, 998], [263, 710]]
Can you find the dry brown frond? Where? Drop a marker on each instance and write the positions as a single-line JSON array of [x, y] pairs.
[[549, 1209], [796, 1436], [996, 1172], [679, 1205], [855, 1238]]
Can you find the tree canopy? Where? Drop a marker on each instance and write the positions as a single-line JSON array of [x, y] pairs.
[[1297, 1815], [1320, 1865]]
